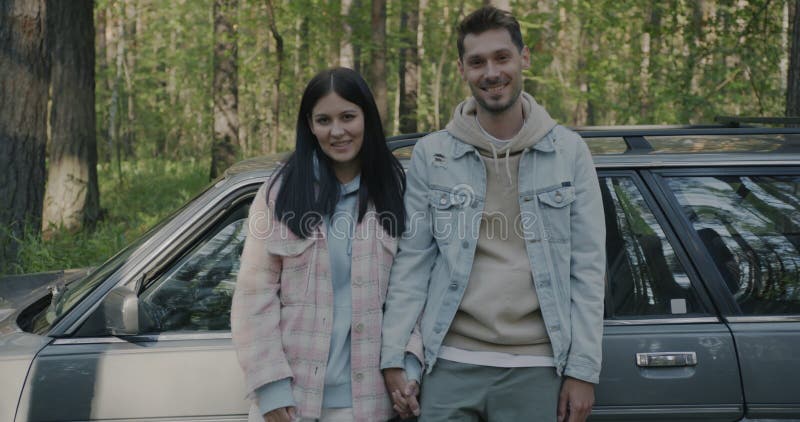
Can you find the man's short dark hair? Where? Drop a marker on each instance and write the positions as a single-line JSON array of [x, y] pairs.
[[487, 18]]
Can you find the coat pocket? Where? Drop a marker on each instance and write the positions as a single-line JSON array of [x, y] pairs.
[[298, 267]]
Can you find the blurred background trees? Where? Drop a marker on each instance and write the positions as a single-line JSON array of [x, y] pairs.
[[181, 86], [599, 62]]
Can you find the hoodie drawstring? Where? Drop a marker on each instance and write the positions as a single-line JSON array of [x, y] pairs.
[[497, 166]]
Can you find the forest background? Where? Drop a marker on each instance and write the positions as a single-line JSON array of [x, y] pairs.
[[137, 104]]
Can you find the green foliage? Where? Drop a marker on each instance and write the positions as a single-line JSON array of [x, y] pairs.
[[599, 62], [150, 190]]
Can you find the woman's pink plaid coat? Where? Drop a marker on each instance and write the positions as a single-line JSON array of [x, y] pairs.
[[282, 311]]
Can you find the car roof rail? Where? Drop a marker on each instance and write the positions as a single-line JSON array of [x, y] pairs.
[[736, 121]]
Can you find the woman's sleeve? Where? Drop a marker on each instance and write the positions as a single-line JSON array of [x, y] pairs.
[[255, 310]]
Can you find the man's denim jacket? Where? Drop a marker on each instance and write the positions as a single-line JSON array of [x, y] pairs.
[[563, 224]]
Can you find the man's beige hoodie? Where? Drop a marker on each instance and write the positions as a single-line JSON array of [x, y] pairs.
[[500, 309]]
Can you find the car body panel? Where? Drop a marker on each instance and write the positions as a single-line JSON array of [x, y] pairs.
[[710, 390], [770, 364], [187, 378], [17, 351]]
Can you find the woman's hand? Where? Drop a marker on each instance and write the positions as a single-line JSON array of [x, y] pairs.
[[403, 392], [281, 414]]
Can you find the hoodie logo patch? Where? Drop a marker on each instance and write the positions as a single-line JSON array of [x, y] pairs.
[[439, 160]]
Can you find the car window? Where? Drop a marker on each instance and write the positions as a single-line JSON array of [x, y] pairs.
[[645, 277], [751, 228], [194, 294]]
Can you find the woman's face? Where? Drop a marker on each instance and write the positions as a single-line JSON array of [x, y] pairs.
[[338, 126]]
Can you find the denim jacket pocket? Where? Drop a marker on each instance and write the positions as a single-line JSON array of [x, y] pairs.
[[298, 267], [555, 212]]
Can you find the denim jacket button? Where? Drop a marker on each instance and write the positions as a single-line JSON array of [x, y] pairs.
[[465, 244], [559, 197], [437, 330], [359, 327], [443, 200], [359, 377], [453, 286]]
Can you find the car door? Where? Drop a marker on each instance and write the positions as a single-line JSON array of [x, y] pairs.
[[746, 225], [666, 354], [182, 366]]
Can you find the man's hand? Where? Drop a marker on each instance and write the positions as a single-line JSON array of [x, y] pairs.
[[403, 392], [575, 401], [281, 414]]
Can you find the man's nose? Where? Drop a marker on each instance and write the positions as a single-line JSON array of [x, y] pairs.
[[492, 69]]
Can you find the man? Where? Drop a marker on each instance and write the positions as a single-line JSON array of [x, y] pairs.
[[503, 256]]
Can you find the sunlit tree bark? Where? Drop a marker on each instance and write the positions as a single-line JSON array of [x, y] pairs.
[[72, 198]]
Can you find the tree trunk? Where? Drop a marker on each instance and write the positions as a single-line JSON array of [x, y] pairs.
[[409, 66], [129, 133], [102, 69], [793, 81], [276, 85], [346, 52], [334, 37], [72, 198], [355, 18], [23, 126], [114, 100], [377, 68], [226, 98]]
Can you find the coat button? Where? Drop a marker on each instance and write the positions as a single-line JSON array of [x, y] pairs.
[[359, 327]]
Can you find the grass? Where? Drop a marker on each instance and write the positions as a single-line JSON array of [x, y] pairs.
[[148, 191]]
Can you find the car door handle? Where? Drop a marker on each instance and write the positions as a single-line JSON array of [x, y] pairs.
[[666, 359]]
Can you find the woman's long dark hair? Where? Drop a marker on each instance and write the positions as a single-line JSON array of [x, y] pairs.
[[302, 200]]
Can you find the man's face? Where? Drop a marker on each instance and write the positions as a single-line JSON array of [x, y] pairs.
[[492, 67]]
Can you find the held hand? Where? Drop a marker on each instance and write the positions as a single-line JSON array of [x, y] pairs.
[[575, 401], [281, 414], [403, 392]]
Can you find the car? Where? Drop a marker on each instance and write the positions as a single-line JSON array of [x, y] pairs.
[[702, 307]]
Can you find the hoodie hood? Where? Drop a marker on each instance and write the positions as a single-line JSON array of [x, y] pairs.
[[464, 126], [537, 124]]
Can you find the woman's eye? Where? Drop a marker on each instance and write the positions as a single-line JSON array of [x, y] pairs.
[[321, 120], [348, 117]]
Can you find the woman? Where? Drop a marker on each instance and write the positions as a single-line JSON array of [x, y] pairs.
[[307, 309]]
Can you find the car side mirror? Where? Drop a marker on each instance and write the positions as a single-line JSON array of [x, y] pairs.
[[121, 312]]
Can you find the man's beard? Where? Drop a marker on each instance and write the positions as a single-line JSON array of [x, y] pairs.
[[495, 108]]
